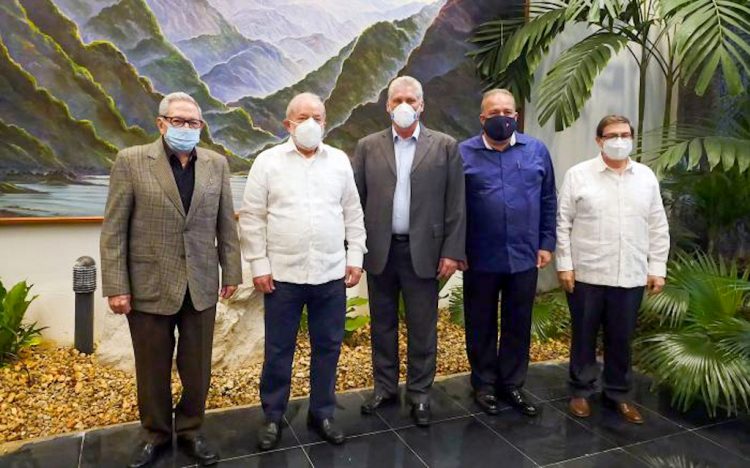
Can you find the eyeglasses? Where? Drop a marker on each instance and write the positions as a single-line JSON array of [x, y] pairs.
[[612, 136], [180, 122]]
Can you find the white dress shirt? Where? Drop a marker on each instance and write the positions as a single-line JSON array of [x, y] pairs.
[[296, 214], [404, 150], [611, 227]]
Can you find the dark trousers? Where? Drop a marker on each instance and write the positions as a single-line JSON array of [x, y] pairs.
[[326, 314], [500, 367], [420, 298], [153, 346], [615, 311]]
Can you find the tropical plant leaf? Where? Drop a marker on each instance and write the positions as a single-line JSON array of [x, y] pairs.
[[510, 50], [704, 352], [694, 367], [706, 40], [566, 88]]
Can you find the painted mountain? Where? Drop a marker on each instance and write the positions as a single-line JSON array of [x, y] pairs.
[[80, 79]]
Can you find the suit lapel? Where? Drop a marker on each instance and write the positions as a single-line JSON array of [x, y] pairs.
[[389, 152], [163, 174], [202, 181], [424, 142]]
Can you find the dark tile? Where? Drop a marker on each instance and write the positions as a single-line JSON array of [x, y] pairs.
[[287, 458], [617, 458], [546, 375], [461, 393], [114, 446], [399, 415], [659, 400], [61, 451], [348, 416], [685, 450], [550, 437], [732, 435], [609, 424], [235, 432], [464, 442], [550, 394], [383, 449]]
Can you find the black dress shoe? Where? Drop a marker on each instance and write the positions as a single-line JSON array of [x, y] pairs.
[[376, 401], [326, 429], [269, 435], [421, 414], [146, 453], [487, 402], [517, 400], [199, 449]]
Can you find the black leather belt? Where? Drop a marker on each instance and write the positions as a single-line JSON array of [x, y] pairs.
[[401, 237]]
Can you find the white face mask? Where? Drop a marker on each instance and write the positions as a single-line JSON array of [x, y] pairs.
[[308, 134], [404, 115], [618, 148]]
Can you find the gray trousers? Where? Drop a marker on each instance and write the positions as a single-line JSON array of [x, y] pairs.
[[421, 298]]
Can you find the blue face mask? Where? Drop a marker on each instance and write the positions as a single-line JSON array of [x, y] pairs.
[[182, 140], [500, 127]]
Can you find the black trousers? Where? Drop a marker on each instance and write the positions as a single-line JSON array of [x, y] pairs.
[[326, 315], [421, 299], [153, 346], [500, 367], [615, 310]]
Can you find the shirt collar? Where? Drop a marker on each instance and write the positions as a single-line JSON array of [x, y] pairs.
[[513, 141], [601, 166], [290, 147], [415, 135]]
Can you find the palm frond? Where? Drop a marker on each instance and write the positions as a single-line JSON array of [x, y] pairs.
[[694, 367], [566, 88], [510, 50], [706, 40]]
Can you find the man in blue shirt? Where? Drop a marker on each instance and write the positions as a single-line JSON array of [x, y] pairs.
[[510, 234]]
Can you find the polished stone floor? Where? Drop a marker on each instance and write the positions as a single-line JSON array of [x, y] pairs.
[[461, 436]]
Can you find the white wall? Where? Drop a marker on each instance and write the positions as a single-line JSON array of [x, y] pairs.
[[44, 256]]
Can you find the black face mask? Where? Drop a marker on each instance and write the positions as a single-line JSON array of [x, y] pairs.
[[500, 127]]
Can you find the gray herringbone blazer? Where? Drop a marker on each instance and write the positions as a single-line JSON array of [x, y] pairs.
[[437, 214], [151, 249]]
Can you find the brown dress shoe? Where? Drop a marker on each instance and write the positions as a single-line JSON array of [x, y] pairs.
[[579, 407], [629, 412]]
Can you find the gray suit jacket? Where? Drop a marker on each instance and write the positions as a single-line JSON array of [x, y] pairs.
[[437, 224], [153, 250]]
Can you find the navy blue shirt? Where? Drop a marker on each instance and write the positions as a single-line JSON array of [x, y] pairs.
[[511, 204]]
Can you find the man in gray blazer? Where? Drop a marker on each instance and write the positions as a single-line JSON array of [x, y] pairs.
[[411, 185], [168, 225]]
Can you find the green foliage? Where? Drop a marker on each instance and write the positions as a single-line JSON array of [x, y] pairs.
[[700, 347], [688, 40], [456, 306], [15, 335], [550, 318], [708, 144]]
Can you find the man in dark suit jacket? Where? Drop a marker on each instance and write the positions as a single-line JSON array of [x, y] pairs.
[[411, 185], [168, 225]]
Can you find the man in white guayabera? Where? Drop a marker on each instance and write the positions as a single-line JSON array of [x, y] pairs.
[[302, 230], [612, 242]]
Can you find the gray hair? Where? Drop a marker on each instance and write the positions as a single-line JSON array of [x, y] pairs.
[[175, 97], [497, 91], [294, 102], [405, 81]]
